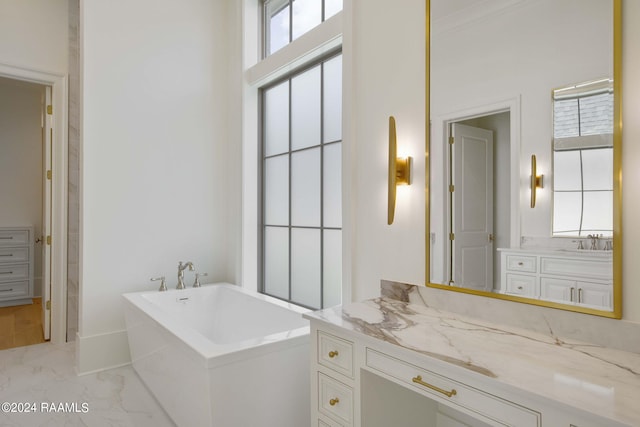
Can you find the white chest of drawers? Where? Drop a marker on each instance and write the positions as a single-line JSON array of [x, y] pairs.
[[16, 265]]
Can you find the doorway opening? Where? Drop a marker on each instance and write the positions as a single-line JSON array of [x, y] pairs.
[[25, 212], [34, 238]]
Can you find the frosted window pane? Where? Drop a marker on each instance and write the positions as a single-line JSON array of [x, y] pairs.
[[598, 213], [598, 169], [276, 119], [332, 189], [332, 268], [566, 171], [305, 188], [333, 100], [567, 211], [306, 15], [276, 261], [331, 7], [276, 190], [305, 109], [305, 267], [277, 13]]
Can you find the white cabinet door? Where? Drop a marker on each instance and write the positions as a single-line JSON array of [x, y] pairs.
[[560, 290], [594, 294]]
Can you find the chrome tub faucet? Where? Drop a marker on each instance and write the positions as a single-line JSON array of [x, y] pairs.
[[181, 268]]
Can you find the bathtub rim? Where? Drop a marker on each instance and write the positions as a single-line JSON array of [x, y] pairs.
[[211, 354]]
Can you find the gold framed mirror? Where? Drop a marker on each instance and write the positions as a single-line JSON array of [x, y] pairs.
[[510, 84]]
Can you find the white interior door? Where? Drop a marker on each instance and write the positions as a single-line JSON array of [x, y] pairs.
[[47, 145], [472, 207]]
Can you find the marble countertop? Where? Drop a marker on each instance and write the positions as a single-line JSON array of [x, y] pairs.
[[592, 378]]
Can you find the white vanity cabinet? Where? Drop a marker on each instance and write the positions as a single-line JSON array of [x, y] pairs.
[[16, 265], [383, 363], [332, 390], [584, 279], [339, 390]]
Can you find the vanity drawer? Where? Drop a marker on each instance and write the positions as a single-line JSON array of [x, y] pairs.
[[590, 268], [522, 263], [522, 285], [14, 237], [14, 255], [14, 271], [335, 399], [14, 289], [335, 353], [454, 393]]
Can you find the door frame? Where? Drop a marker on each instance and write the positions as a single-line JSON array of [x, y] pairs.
[[440, 133], [59, 182]]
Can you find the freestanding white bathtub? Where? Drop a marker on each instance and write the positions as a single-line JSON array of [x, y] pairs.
[[221, 356]]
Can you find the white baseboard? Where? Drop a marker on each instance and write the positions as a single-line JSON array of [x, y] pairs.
[[100, 352]]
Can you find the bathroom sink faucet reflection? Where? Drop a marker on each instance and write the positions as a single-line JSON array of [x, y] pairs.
[[181, 268]]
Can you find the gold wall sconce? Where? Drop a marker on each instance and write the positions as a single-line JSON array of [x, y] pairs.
[[399, 170], [537, 181]]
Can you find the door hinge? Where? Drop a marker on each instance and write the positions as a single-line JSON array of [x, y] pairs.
[[452, 236], [451, 140], [49, 109], [48, 240], [49, 174], [451, 188], [48, 305]]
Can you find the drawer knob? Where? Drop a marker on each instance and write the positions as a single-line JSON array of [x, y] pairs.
[[418, 380], [333, 353], [334, 401], [520, 263], [520, 287]]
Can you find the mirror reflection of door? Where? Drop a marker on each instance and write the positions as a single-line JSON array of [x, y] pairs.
[[479, 199], [471, 195]]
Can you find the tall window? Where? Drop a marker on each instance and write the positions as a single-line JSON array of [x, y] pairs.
[[282, 26], [583, 160], [301, 186]]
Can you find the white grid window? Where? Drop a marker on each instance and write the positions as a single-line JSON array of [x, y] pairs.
[[301, 164], [282, 26]]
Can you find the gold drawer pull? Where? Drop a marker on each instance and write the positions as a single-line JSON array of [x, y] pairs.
[[418, 380], [334, 401], [333, 353]]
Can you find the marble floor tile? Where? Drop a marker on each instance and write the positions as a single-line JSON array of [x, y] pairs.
[[44, 377]]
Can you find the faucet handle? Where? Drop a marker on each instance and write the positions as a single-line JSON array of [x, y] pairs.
[[196, 283], [163, 285]]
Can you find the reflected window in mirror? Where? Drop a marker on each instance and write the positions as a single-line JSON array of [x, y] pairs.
[[583, 160]]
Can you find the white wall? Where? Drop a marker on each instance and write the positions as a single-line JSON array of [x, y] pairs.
[[630, 159], [387, 77], [21, 108], [33, 34], [155, 168]]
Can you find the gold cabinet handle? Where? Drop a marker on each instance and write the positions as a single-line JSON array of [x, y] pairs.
[[333, 353], [418, 380], [334, 401]]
